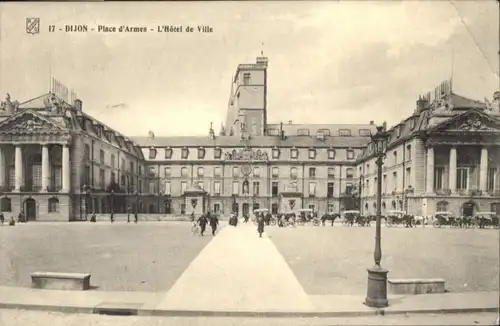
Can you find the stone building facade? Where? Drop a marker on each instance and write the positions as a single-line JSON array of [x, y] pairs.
[[57, 163], [444, 157]]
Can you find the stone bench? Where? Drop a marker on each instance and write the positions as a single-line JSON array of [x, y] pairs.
[[416, 285], [60, 281]]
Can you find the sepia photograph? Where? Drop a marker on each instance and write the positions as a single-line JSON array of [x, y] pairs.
[[297, 163]]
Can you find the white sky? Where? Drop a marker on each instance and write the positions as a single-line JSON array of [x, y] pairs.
[[338, 62]]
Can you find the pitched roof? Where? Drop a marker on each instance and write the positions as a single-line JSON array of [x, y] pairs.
[[256, 141], [461, 102]]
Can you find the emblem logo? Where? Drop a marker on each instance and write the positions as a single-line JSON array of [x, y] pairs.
[[32, 25], [194, 202], [292, 203]]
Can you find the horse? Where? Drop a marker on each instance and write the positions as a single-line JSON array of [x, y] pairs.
[[408, 220], [329, 217]]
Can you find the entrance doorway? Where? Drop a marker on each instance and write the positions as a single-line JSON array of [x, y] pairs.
[[168, 207], [468, 209], [30, 209], [246, 209]]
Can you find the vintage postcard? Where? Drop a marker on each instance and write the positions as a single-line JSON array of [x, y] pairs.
[[249, 163]]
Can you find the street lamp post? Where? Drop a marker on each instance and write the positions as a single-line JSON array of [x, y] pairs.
[[377, 276], [112, 205]]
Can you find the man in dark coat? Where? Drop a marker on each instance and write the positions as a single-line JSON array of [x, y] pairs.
[[136, 218], [2, 218], [214, 221], [202, 221], [260, 224]]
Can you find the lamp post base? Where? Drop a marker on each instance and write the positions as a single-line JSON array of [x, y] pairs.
[[377, 288]]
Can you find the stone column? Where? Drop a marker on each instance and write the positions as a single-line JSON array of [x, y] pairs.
[[66, 168], [483, 170], [45, 168], [430, 171], [18, 168], [452, 181], [2, 168]]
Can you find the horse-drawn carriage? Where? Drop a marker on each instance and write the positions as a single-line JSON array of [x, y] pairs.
[[352, 216], [269, 219], [444, 219], [485, 219], [395, 218], [306, 215]]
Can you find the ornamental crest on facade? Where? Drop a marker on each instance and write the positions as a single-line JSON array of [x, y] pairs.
[[246, 154], [30, 124], [474, 124]]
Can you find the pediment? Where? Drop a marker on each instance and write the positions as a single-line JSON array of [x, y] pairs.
[[29, 122], [472, 121]]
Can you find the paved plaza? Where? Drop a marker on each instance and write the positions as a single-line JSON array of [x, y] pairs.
[[36, 318]]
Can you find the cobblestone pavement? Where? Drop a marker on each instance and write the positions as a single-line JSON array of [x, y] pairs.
[[121, 257], [333, 260], [36, 318]]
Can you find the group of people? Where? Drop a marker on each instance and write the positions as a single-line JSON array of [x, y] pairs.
[[205, 219], [21, 218], [261, 219]]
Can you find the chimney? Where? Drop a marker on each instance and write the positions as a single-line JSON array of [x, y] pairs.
[[262, 61], [290, 122], [78, 105], [384, 125], [421, 104], [372, 122]]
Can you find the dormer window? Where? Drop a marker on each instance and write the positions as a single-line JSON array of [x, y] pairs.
[[168, 153], [246, 78], [312, 153], [185, 153], [344, 132], [276, 153], [325, 132], [294, 153], [303, 132], [152, 153], [331, 154], [350, 154], [217, 153], [364, 132], [273, 132], [201, 153]]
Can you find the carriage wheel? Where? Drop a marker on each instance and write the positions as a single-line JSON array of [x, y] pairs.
[[436, 224], [273, 222], [301, 222], [316, 222]]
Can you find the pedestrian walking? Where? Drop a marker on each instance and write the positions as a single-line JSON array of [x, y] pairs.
[[260, 224], [214, 222], [2, 218], [128, 214], [136, 217], [112, 217], [93, 218], [202, 221]]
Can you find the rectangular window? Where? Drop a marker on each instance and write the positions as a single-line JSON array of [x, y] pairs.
[[492, 178], [331, 173], [331, 154], [462, 178], [217, 153], [216, 208], [167, 188], [168, 172], [256, 172], [274, 188], [348, 188], [236, 171], [384, 184], [293, 173], [303, 132], [101, 157], [294, 153], [395, 154], [330, 189], [325, 132], [312, 189], [395, 180], [312, 154], [183, 187], [275, 172], [123, 164], [408, 176], [184, 153], [102, 178], [217, 172], [86, 175], [201, 153], [350, 154], [408, 152], [312, 173], [438, 177], [236, 188], [112, 161], [201, 172], [256, 188], [217, 188], [152, 187], [246, 78], [364, 132], [184, 172], [201, 185]]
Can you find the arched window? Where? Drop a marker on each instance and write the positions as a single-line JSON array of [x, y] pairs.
[[383, 206], [366, 206], [393, 204], [6, 205], [442, 206], [53, 205]]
